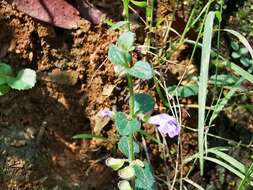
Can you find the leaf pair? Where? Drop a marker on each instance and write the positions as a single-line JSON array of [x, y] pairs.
[[25, 79], [119, 55]]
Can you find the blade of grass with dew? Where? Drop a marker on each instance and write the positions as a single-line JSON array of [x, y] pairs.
[[203, 79]]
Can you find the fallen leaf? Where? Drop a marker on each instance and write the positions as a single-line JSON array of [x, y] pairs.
[[56, 12]]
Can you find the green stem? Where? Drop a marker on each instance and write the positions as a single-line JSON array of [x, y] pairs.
[[131, 105], [126, 12], [150, 12], [131, 95], [160, 94], [130, 137]]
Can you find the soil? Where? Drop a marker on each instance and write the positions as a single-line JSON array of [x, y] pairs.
[[75, 80], [37, 126]]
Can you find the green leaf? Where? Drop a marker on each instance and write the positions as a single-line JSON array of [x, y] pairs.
[[124, 146], [203, 79], [5, 73], [244, 51], [4, 89], [118, 25], [126, 41], [240, 71], [88, 136], [223, 79], [184, 91], [142, 70], [124, 125], [235, 55], [119, 57], [245, 61], [5, 69], [235, 46], [139, 3], [218, 16], [25, 79], [242, 39], [143, 103], [144, 177]]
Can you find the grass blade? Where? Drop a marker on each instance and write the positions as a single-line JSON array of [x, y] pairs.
[[225, 165], [88, 136], [242, 39], [235, 163], [203, 79]]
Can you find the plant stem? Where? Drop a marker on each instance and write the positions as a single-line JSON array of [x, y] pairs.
[[126, 12], [131, 95], [131, 105], [130, 137]]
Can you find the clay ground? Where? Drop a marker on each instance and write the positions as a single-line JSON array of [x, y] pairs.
[[75, 80]]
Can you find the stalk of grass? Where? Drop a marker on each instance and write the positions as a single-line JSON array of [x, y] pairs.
[[222, 102], [126, 12], [149, 12], [247, 179], [203, 79]]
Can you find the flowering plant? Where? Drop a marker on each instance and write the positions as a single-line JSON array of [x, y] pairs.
[[135, 174]]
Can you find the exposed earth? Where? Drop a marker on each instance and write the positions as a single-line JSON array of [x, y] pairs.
[[75, 80]]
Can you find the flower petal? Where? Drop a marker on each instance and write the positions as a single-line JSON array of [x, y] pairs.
[[106, 112], [159, 119], [173, 131]]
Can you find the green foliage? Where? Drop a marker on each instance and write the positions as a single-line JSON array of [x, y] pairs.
[[223, 80], [142, 70], [4, 89], [126, 41], [126, 126], [144, 177], [143, 103], [184, 91], [124, 146], [203, 79], [118, 25], [88, 136], [25, 79], [139, 3], [242, 54], [193, 89], [119, 55]]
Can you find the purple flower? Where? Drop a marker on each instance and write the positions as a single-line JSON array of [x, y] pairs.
[[167, 124], [106, 112]]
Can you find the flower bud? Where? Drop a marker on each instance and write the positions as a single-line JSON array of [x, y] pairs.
[[126, 173], [124, 185], [115, 163]]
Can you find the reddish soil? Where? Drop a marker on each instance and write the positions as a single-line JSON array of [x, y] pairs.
[[75, 80]]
